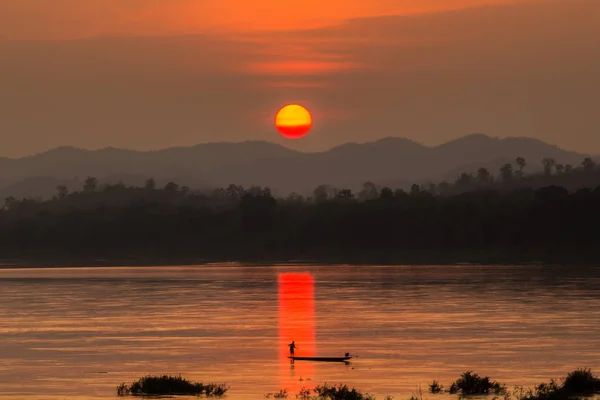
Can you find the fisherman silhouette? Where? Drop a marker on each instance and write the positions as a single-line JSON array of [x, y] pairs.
[[292, 347]]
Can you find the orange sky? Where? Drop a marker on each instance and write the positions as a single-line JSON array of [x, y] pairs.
[[43, 19], [150, 74]]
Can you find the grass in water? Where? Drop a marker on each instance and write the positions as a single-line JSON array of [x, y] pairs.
[[435, 387], [326, 392], [340, 392], [470, 384], [418, 395], [579, 383], [169, 385], [576, 385], [282, 394], [304, 394], [582, 381]]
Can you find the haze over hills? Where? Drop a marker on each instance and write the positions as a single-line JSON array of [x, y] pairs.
[[397, 162], [520, 68]]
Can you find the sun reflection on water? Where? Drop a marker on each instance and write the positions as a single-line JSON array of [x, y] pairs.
[[296, 296]]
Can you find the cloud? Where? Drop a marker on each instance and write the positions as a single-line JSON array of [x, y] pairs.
[[299, 67], [63, 19]]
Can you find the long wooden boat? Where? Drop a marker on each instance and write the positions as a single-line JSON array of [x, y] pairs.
[[327, 359]]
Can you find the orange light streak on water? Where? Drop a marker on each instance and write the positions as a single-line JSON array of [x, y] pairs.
[[296, 295]]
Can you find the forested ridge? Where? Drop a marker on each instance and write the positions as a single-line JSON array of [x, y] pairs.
[[487, 221]]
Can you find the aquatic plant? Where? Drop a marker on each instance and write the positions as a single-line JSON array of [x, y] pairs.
[[470, 384], [304, 394], [169, 385], [282, 394], [326, 392], [122, 389], [435, 387], [544, 391], [340, 392], [579, 383], [418, 395], [215, 389]]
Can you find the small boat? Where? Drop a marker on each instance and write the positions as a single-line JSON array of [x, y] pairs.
[[327, 359]]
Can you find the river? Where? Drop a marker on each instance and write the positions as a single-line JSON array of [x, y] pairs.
[[76, 333]]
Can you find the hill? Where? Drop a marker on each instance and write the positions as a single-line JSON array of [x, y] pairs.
[[397, 162]]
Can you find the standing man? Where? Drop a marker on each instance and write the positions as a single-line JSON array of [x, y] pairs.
[[292, 347]]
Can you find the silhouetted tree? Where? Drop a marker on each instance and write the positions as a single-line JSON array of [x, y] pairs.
[[415, 189], [568, 168], [369, 191], [464, 181], [344, 194], [235, 192], [548, 164], [483, 176], [400, 194], [10, 202], [443, 188], [258, 191], [588, 164], [171, 187], [219, 193], [386, 193], [150, 184], [506, 172], [62, 192], [90, 185], [322, 193], [521, 163], [295, 198], [560, 169]]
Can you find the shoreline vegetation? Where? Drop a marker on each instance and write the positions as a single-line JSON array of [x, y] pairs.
[[482, 219], [577, 385], [43, 263]]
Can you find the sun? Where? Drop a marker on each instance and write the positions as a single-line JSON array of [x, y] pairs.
[[293, 121]]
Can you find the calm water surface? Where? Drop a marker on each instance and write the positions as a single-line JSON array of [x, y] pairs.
[[77, 333]]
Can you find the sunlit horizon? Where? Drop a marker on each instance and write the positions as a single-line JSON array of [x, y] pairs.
[[154, 74]]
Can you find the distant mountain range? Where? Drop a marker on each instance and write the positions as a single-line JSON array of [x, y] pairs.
[[397, 162]]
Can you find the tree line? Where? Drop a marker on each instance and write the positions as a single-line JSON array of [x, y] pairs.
[[513, 175], [510, 176], [489, 224]]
